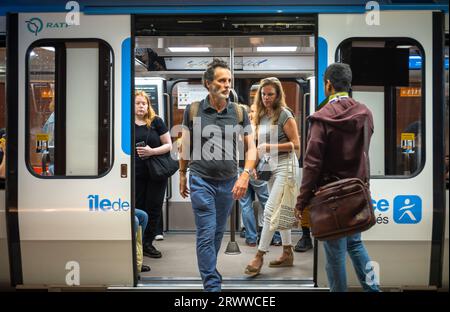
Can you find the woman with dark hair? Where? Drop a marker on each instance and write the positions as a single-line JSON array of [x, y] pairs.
[[152, 138]]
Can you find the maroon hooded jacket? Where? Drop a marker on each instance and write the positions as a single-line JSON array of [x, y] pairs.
[[335, 145]]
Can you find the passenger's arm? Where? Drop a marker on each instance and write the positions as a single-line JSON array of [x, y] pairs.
[[241, 185], [166, 146], [290, 128], [184, 155], [251, 154], [312, 164]]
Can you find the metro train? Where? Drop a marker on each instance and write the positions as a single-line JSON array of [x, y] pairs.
[[77, 65]]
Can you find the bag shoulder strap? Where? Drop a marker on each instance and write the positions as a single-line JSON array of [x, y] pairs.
[[239, 111], [366, 150], [193, 110]]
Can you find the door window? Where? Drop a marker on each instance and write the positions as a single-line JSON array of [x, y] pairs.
[[388, 76], [69, 108]]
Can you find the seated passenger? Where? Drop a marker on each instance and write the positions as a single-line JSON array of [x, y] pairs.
[[141, 218]]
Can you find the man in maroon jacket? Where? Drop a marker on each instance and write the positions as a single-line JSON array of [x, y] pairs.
[[336, 149]]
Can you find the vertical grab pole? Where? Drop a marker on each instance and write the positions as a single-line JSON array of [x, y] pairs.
[[232, 66], [233, 247]]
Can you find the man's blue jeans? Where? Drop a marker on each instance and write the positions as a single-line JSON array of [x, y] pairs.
[[335, 251], [212, 201], [246, 204]]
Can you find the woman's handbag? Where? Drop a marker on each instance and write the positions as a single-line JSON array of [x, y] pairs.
[[343, 207], [263, 170], [161, 167]]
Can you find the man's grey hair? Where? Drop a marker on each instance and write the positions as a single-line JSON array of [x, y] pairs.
[[208, 75], [340, 76]]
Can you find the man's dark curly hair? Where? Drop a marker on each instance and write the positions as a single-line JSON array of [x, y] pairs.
[[340, 76], [208, 75]]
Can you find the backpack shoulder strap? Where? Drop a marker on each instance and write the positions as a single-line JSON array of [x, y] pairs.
[[239, 111], [193, 110]]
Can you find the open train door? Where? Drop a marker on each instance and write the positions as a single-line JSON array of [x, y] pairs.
[[396, 59], [69, 133]]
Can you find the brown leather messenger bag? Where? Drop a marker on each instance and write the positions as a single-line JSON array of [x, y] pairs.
[[343, 207]]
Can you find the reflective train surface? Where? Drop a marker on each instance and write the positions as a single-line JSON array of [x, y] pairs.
[[67, 78]]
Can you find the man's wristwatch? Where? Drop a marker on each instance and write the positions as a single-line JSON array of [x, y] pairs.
[[249, 171]]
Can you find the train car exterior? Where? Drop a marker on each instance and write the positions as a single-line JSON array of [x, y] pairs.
[[80, 218]]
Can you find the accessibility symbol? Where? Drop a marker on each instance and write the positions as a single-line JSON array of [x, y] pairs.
[[407, 209]]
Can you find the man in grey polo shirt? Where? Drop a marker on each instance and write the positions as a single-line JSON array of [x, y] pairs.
[[213, 180]]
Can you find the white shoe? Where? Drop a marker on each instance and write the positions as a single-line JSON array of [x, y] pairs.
[[159, 237]]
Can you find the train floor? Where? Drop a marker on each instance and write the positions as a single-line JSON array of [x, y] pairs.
[[179, 262]]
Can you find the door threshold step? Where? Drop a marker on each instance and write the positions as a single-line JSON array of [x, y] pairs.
[[244, 284]]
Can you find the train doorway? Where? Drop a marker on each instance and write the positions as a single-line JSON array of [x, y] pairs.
[[170, 58]]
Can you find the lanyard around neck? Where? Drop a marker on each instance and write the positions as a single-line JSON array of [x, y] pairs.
[[337, 96]]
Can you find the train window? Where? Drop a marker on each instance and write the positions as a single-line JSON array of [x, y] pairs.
[[183, 94], [2, 113], [389, 78], [69, 108]]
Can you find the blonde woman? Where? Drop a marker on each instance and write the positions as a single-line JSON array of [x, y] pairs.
[[152, 138], [274, 120]]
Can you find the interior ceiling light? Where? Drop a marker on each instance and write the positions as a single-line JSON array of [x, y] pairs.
[[271, 24], [277, 49], [188, 49]]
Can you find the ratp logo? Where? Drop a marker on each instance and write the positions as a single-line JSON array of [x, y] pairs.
[[407, 209], [35, 25]]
